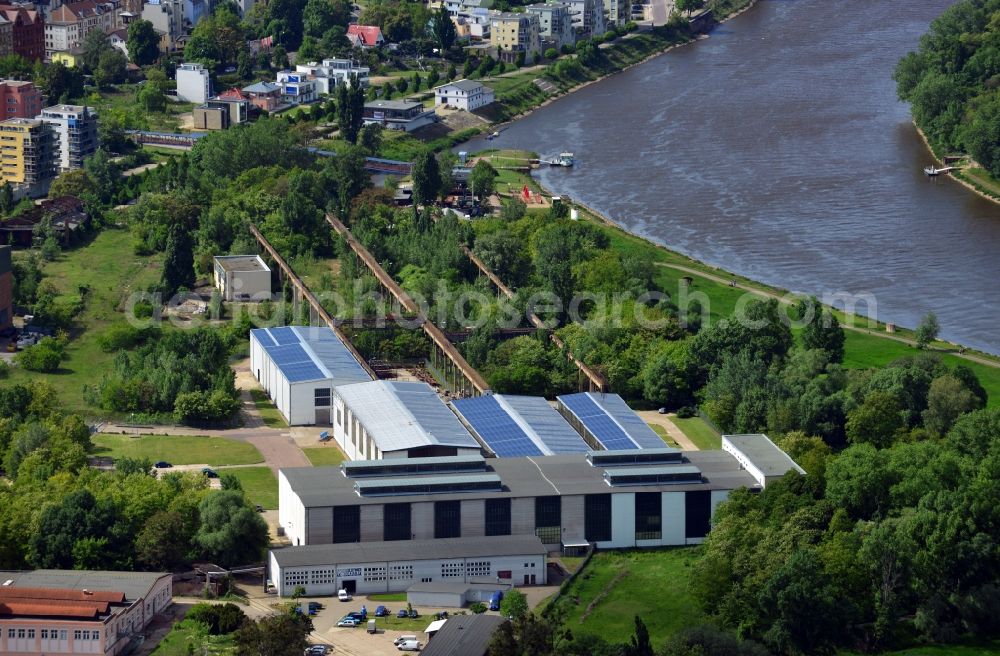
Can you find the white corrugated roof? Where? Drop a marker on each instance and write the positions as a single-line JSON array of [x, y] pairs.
[[401, 415]]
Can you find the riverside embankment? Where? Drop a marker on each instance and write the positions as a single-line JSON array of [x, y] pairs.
[[777, 149]]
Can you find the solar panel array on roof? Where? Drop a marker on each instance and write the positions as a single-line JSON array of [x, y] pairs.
[[597, 421], [305, 353], [546, 425], [495, 427], [637, 429]]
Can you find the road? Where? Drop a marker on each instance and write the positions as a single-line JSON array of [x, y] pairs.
[[787, 300], [675, 433]]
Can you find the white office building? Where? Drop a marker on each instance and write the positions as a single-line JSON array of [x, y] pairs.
[[760, 457], [463, 94], [242, 278], [194, 83], [298, 366]]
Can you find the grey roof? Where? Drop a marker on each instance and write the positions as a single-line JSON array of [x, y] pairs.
[[262, 87], [132, 584], [408, 550], [614, 413], [401, 105], [241, 263], [441, 586], [464, 635], [763, 453], [539, 422], [464, 85], [310, 353], [567, 474], [401, 415]]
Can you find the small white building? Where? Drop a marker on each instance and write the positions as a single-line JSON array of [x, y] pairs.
[[298, 366], [334, 72], [382, 567], [760, 457], [397, 419], [463, 94], [296, 88], [242, 278], [193, 83]]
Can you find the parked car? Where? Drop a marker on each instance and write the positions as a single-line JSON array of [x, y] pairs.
[[413, 614], [358, 616], [343, 595], [381, 611], [317, 650], [162, 464], [208, 471], [409, 645], [402, 613], [315, 605], [259, 508], [495, 600], [404, 638], [347, 621]]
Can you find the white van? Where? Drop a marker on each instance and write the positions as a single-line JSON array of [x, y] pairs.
[[343, 595], [404, 638], [409, 645]]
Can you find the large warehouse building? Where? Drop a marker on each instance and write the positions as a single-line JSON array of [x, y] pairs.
[[381, 567], [298, 366], [611, 499], [512, 426], [606, 422], [397, 419]]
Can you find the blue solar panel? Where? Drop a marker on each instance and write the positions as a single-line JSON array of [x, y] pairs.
[[287, 354], [496, 427], [597, 422], [263, 336], [284, 335], [301, 371]]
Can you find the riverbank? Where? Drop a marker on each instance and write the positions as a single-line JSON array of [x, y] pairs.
[[959, 176]]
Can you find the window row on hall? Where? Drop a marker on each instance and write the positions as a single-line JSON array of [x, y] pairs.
[[28, 633]]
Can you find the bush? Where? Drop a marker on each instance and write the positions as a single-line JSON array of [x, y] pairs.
[[122, 336], [478, 608], [551, 53], [43, 356], [205, 406], [686, 412], [219, 618]]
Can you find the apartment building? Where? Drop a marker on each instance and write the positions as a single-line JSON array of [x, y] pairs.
[[194, 83], [555, 23], [19, 99], [513, 33], [29, 153], [618, 12], [76, 129], [27, 31], [588, 17], [6, 37], [70, 23], [296, 88], [167, 17], [333, 72]]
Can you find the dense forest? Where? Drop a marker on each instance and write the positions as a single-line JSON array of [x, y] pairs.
[[952, 82]]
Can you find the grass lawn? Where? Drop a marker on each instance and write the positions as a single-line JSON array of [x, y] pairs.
[[662, 432], [272, 418], [699, 432], [259, 483], [321, 456], [616, 586], [186, 635], [109, 271], [390, 596], [178, 449]]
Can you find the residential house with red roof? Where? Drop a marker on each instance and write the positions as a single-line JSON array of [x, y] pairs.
[[365, 36]]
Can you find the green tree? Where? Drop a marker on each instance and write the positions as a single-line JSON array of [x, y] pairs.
[[947, 400], [152, 98], [274, 635], [371, 138], [231, 533], [426, 179], [483, 179], [79, 532], [143, 43], [110, 68], [164, 541], [821, 330], [178, 261], [928, 330], [244, 65], [444, 29], [279, 58], [640, 644], [876, 421], [6, 198], [95, 44], [514, 605], [688, 6]]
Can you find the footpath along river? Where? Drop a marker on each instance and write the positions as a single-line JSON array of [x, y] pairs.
[[777, 149]]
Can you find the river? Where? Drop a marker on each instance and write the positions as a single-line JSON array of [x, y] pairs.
[[777, 149]]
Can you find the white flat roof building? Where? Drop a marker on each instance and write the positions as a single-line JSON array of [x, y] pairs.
[[298, 366], [760, 457], [194, 83], [397, 419], [242, 277], [463, 94]]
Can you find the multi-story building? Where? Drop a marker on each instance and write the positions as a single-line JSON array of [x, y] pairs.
[[6, 289], [555, 23], [296, 88], [6, 36], [222, 111], [194, 83], [513, 33], [29, 154], [76, 128], [266, 96], [119, 38], [588, 17], [27, 31], [78, 612], [398, 114], [463, 94], [70, 23], [167, 17], [19, 100], [618, 12], [333, 72]]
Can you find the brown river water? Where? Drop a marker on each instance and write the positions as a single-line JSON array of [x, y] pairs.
[[777, 149]]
